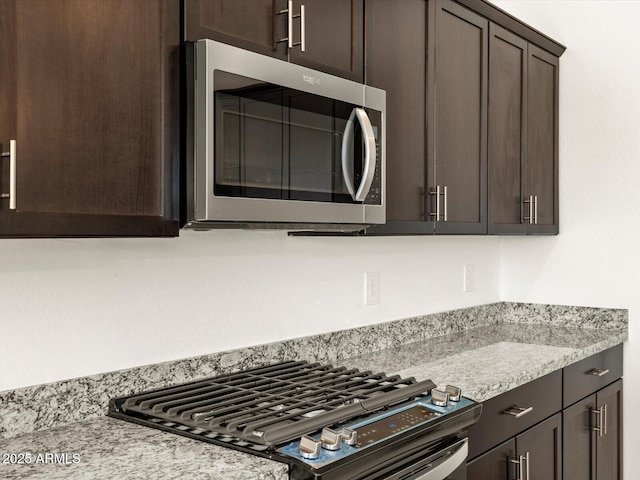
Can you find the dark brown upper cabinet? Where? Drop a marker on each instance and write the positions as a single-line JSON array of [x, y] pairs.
[[333, 30], [542, 141], [248, 24], [507, 131], [87, 96], [432, 59], [457, 128], [463, 141], [523, 136], [396, 61]]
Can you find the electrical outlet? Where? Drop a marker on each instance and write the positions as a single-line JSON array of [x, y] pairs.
[[468, 278], [371, 288]]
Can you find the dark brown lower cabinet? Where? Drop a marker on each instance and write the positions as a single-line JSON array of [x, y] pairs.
[[566, 425], [495, 464], [541, 447], [592, 441], [534, 454], [579, 462]]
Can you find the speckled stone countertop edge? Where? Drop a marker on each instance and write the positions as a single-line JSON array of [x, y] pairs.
[[44, 406], [510, 382], [106, 448]]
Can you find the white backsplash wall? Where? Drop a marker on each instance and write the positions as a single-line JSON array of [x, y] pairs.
[[595, 260], [76, 307]]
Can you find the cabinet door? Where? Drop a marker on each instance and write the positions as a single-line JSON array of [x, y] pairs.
[[8, 91], [495, 464], [248, 24], [542, 140], [87, 112], [334, 36], [396, 58], [579, 441], [334, 30], [459, 153], [609, 445], [543, 446], [507, 131]]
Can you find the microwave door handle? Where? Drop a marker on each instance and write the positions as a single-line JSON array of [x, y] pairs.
[[369, 140], [347, 155]]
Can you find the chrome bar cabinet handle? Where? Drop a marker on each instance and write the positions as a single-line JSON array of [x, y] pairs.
[[437, 194], [531, 214], [598, 372], [440, 191], [519, 460], [600, 414], [303, 26], [522, 461], [289, 12], [12, 175], [445, 203], [535, 209], [518, 412], [290, 23]]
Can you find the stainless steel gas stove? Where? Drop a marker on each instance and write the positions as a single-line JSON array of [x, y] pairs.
[[325, 422]]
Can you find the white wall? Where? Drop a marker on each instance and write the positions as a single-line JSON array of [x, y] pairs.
[[596, 258], [76, 307]]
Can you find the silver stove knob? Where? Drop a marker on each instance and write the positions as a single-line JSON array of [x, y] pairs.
[[349, 437], [330, 439], [439, 398], [309, 447], [455, 393]]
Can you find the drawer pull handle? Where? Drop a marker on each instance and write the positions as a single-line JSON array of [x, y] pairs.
[[598, 372], [518, 412]]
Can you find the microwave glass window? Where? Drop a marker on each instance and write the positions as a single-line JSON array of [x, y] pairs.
[[277, 142]]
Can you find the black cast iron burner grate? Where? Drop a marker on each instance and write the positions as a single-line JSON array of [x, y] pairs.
[[269, 405]]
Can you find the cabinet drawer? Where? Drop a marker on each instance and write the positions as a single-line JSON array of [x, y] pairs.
[[593, 373], [543, 396]]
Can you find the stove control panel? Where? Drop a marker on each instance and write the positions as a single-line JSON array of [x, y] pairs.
[[332, 444], [309, 447]]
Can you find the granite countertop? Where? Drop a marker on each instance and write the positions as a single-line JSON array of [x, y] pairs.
[[106, 448], [484, 361], [490, 360]]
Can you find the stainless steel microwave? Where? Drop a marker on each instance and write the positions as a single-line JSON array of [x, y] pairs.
[[271, 144]]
